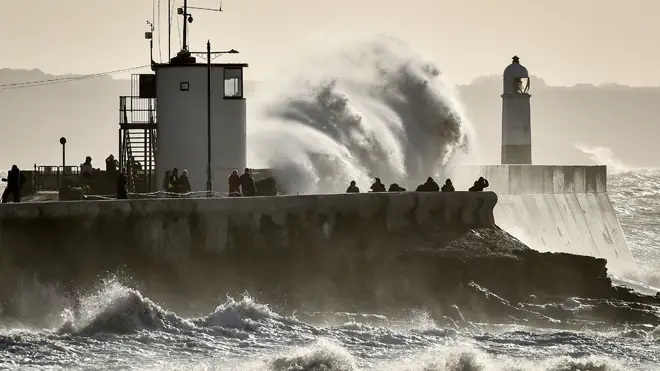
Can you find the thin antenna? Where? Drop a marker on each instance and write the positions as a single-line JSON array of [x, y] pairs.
[[150, 36], [187, 18], [184, 55], [169, 30], [209, 9]]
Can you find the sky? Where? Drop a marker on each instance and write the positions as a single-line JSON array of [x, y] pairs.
[[564, 42]]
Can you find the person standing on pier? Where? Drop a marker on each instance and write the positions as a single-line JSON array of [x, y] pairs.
[[15, 180], [183, 183], [122, 191], [247, 184], [86, 169], [111, 167], [234, 184]]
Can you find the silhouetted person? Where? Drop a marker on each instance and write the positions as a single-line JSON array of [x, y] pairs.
[[122, 192], [352, 188], [86, 168], [173, 182], [378, 186], [167, 186], [111, 166], [183, 183], [429, 186], [247, 184], [15, 180], [479, 185], [448, 187], [234, 184], [395, 188]]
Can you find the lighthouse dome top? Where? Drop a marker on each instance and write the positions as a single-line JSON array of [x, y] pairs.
[[515, 69]]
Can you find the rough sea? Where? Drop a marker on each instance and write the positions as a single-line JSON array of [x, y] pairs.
[[119, 329], [396, 116]]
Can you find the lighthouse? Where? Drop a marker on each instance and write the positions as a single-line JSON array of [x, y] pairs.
[[516, 115]]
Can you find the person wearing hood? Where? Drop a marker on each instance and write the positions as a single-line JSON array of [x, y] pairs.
[[247, 184], [352, 188], [396, 188], [183, 183], [429, 186], [448, 187], [234, 184]]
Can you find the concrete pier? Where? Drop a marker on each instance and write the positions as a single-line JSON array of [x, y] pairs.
[[185, 249], [175, 227], [558, 209]]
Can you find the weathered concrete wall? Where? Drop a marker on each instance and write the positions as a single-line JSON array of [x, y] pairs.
[[558, 209], [305, 247], [167, 227], [576, 223]]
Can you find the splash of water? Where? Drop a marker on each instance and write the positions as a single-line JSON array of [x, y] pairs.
[[371, 108], [603, 156]]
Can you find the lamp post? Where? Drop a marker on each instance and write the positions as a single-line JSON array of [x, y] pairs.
[[63, 143], [209, 58], [209, 178]]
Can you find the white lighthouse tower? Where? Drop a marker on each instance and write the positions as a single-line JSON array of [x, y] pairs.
[[516, 115]]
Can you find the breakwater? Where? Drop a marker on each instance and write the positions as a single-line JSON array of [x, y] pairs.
[[320, 252], [558, 208]]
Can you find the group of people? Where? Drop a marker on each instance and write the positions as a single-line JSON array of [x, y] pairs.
[[172, 183], [429, 186], [175, 183], [241, 185], [89, 176]]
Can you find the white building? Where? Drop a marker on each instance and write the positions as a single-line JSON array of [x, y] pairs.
[[182, 136], [516, 115]]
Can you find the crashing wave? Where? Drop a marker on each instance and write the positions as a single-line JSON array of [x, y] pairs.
[[373, 108]]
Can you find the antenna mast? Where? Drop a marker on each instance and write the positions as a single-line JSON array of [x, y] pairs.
[[184, 55], [150, 36], [185, 25], [169, 30]]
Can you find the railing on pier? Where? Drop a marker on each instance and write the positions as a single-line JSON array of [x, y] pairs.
[[49, 178]]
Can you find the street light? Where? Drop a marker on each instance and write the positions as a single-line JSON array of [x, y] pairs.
[[63, 143], [207, 56]]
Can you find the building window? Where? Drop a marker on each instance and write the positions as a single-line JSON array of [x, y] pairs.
[[233, 83], [184, 86]]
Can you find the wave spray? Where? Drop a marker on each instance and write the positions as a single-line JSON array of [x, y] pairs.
[[369, 108]]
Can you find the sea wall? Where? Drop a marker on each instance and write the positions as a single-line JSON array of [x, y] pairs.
[[211, 221], [346, 252], [558, 209], [228, 243]]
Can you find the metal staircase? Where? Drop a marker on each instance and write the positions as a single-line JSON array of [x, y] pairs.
[[137, 140]]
